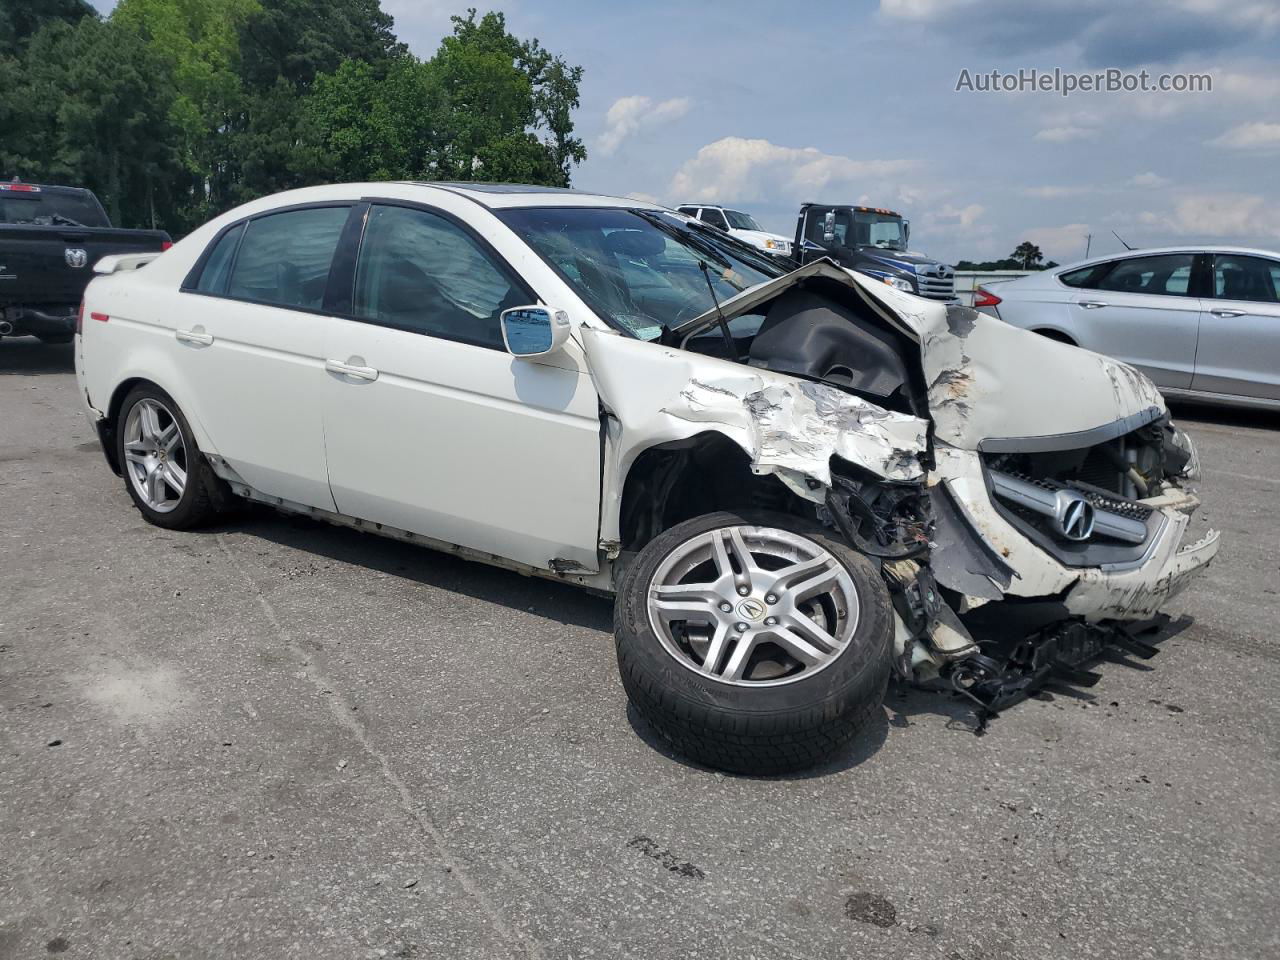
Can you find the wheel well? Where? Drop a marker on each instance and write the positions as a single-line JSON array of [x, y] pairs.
[[673, 482], [1055, 335], [107, 427]]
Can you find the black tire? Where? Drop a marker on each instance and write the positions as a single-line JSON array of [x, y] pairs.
[[204, 491], [744, 729]]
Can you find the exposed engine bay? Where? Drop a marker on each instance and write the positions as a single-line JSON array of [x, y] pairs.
[[906, 431]]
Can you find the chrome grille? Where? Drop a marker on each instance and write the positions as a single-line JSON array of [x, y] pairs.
[[936, 287]]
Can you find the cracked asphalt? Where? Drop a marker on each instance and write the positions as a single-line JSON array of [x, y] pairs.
[[281, 739]]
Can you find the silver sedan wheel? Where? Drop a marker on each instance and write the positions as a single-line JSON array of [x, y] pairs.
[[753, 605], [155, 456]]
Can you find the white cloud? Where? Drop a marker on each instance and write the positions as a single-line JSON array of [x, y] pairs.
[[1150, 180], [1217, 215], [1064, 243], [1249, 136], [629, 115], [738, 169], [1245, 85], [1064, 134]]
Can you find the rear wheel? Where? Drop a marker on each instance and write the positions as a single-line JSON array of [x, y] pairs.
[[753, 642], [167, 477]]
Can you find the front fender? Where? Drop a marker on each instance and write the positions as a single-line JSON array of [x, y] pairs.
[[788, 427]]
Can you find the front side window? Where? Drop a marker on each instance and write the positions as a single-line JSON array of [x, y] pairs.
[[418, 271], [1165, 275], [641, 270], [284, 257], [1246, 278]]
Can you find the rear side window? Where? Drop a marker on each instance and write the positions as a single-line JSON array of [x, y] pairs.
[[1165, 275], [284, 258], [1086, 276], [420, 272], [1246, 278], [217, 268]]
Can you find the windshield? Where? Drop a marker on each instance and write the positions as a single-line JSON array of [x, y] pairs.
[[741, 221], [51, 209], [878, 230], [641, 270]]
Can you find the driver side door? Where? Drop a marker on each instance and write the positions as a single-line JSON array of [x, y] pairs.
[[431, 426]]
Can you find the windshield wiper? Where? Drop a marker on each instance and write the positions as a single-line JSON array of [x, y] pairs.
[[724, 324], [686, 237]]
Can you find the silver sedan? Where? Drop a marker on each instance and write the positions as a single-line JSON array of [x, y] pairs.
[[1202, 322]]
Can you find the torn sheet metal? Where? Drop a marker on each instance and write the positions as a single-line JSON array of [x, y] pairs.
[[790, 428], [793, 429]]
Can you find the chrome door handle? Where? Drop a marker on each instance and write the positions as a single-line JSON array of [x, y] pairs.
[[1220, 312], [351, 370], [197, 337], [1092, 304]]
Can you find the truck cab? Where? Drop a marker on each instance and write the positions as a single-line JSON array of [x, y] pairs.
[[871, 240]]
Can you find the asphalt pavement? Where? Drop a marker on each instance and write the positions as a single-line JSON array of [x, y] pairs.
[[281, 739]]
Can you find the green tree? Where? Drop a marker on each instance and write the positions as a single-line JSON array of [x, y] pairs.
[[106, 129], [20, 19], [1027, 254], [499, 91], [199, 43]]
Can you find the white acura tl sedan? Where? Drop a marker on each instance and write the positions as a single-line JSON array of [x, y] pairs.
[[795, 483]]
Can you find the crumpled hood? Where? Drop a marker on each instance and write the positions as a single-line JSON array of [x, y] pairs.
[[986, 379], [989, 380]]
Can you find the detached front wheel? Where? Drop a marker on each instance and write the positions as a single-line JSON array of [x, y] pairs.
[[753, 642]]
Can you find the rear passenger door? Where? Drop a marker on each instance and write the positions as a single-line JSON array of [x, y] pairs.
[[1240, 332], [250, 342], [1141, 310], [431, 426]]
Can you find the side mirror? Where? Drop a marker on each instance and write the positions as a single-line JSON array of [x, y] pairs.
[[906, 231], [534, 331], [829, 226]]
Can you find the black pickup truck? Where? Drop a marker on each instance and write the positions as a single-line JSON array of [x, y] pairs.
[[50, 238]]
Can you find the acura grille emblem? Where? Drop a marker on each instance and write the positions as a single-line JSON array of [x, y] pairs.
[[1075, 518]]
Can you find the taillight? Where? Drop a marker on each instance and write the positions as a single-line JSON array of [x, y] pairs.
[[165, 245], [80, 319], [983, 297], [101, 317]]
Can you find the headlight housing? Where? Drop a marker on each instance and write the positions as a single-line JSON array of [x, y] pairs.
[[1180, 439], [777, 246], [898, 283]]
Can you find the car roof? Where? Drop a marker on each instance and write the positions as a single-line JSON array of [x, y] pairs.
[[1158, 251], [497, 196]]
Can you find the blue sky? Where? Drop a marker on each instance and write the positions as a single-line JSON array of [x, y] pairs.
[[764, 105]]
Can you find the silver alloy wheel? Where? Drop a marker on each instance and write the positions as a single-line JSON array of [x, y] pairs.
[[753, 605], [155, 456]]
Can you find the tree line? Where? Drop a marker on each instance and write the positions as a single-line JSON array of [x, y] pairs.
[[173, 111]]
